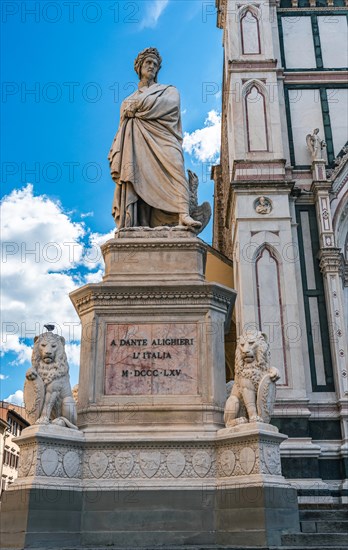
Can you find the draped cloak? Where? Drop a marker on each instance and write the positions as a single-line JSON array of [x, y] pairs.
[[146, 157]]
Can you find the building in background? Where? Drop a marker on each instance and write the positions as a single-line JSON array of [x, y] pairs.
[[12, 422], [281, 215]]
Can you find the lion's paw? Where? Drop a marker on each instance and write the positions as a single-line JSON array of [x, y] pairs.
[[241, 420], [43, 420], [31, 374], [274, 374], [255, 418]]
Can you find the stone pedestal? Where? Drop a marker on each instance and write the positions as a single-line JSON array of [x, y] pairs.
[[261, 504], [152, 354], [152, 464]]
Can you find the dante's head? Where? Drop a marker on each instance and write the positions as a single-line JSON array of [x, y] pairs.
[[148, 53]]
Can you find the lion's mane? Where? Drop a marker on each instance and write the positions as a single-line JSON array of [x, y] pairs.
[[58, 368], [255, 370]]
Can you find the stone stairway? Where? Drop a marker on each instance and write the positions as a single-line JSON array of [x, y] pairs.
[[322, 528]]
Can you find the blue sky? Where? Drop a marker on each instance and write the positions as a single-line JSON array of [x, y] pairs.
[[65, 70]]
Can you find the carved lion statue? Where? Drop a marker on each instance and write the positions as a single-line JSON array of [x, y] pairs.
[[47, 391], [253, 392]]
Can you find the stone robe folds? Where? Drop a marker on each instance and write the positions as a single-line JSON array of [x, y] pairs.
[[146, 158]]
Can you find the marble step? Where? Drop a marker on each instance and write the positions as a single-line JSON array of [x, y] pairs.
[[324, 515], [319, 526], [315, 540], [188, 548]]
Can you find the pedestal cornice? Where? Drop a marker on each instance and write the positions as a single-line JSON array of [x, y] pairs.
[[102, 295]]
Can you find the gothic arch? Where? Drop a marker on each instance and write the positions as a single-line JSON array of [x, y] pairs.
[[269, 302], [249, 29], [256, 117]]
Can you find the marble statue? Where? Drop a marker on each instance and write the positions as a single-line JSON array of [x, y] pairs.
[[263, 205], [47, 391], [146, 157], [315, 145], [253, 391]]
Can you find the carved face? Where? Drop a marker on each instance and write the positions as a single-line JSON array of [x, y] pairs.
[[249, 343], [48, 350], [149, 68]]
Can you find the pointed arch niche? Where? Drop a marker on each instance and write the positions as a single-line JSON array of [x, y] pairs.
[[270, 306], [256, 117], [250, 30]]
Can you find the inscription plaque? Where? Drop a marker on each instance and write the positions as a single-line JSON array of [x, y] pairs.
[[150, 359]]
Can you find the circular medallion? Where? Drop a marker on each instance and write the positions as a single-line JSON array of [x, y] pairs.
[[263, 205]]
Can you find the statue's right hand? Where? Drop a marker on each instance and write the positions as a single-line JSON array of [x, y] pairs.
[[130, 108], [31, 374]]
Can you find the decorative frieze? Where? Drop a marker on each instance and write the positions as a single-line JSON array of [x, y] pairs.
[[224, 457]]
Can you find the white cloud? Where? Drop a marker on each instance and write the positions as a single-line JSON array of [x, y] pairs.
[[16, 398], [204, 144], [3, 377], [73, 353], [93, 258], [154, 10], [43, 252]]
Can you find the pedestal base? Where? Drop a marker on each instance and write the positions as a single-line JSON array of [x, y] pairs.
[[219, 490], [124, 518]]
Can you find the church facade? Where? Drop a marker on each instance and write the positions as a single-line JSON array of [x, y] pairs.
[[281, 216]]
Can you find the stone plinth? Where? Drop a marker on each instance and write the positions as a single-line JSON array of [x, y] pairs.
[[261, 505], [152, 354], [319, 170], [257, 446], [163, 255]]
